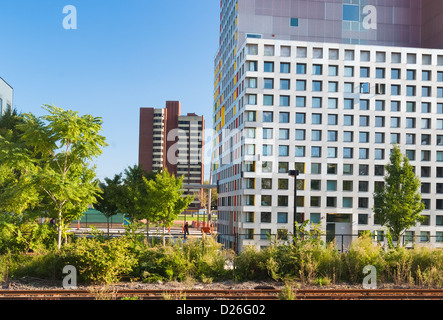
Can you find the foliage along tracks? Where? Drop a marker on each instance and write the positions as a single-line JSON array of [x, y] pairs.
[[262, 294]]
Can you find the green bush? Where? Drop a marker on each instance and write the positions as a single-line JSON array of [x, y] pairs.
[[102, 260], [18, 234], [98, 260], [362, 252]]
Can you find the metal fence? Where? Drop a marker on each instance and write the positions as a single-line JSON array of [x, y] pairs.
[[342, 241]]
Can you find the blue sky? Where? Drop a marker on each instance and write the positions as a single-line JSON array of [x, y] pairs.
[[125, 54]]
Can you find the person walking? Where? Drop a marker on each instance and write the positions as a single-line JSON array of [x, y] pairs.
[[186, 229]]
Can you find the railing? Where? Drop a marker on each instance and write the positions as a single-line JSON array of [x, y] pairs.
[[342, 241]]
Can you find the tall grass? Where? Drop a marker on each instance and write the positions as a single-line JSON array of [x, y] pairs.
[[306, 261]]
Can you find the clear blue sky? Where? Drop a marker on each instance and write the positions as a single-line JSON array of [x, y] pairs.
[[125, 54]]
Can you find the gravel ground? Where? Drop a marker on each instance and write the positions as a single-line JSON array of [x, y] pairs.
[[40, 284]]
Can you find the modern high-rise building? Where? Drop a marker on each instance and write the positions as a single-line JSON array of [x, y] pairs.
[[6, 95], [175, 142], [326, 88]]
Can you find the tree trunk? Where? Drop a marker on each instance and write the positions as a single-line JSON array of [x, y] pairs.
[[164, 240], [59, 229], [107, 221]]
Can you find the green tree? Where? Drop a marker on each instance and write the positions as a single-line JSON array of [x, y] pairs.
[[397, 205], [53, 155], [111, 192], [134, 200], [166, 200]]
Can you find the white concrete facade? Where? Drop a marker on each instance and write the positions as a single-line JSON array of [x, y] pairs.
[[332, 111], [6, 96]]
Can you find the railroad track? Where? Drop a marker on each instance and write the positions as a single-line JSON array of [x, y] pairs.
[[261, 294]]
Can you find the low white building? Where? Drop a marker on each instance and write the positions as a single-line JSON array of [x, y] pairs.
[[6, 95]]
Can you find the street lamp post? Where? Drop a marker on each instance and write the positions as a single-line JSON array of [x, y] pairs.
[[295, 173]]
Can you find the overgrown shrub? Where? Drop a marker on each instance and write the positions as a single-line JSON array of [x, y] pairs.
[[19, 234], [362, 252], [98, 260]]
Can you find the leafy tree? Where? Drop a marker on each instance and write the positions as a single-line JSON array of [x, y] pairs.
[[107, 202], [397, 205], [52, 155], [9, 122], [165, 198], [133, 199]]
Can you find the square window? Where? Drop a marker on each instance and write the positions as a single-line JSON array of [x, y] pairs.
[[364, 104], [332, 119], [268, 116], [316, 135], [347, 202], [300, 118], [300, 85], [349, 71], [348, 185], [266, 183], [284, 84], [283, 151], [315, 168], [333, 71], [282, 217], [283, 184], [285, 51], [300, 134], [283, 167], [316, 118], [316, 185], [285, 67], [332, 135], [380, 73], [267, 133], [348, 120], [351, 13], [395, 90], [364, 72], [301, 68], [267, 150], [348, 136], [299, 151], [315, 152], [300, 102], [316, 102], [363, 170], [317, 86], [410, 74], [349, 87], [284, 117], [284, 101], [332, 152], [315, 201], [294, 22], [269, 67], [332, 168], [332, 86], [348, 153], [332, 103], [317, 69], [283, 134], [395, 74], [268, 83], [348, 169], [349, 104], [265, 217]]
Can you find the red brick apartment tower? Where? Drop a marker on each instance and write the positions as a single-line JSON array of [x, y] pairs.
[[155, 124]]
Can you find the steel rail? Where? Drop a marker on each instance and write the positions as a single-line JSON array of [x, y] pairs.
[[262, 294]]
